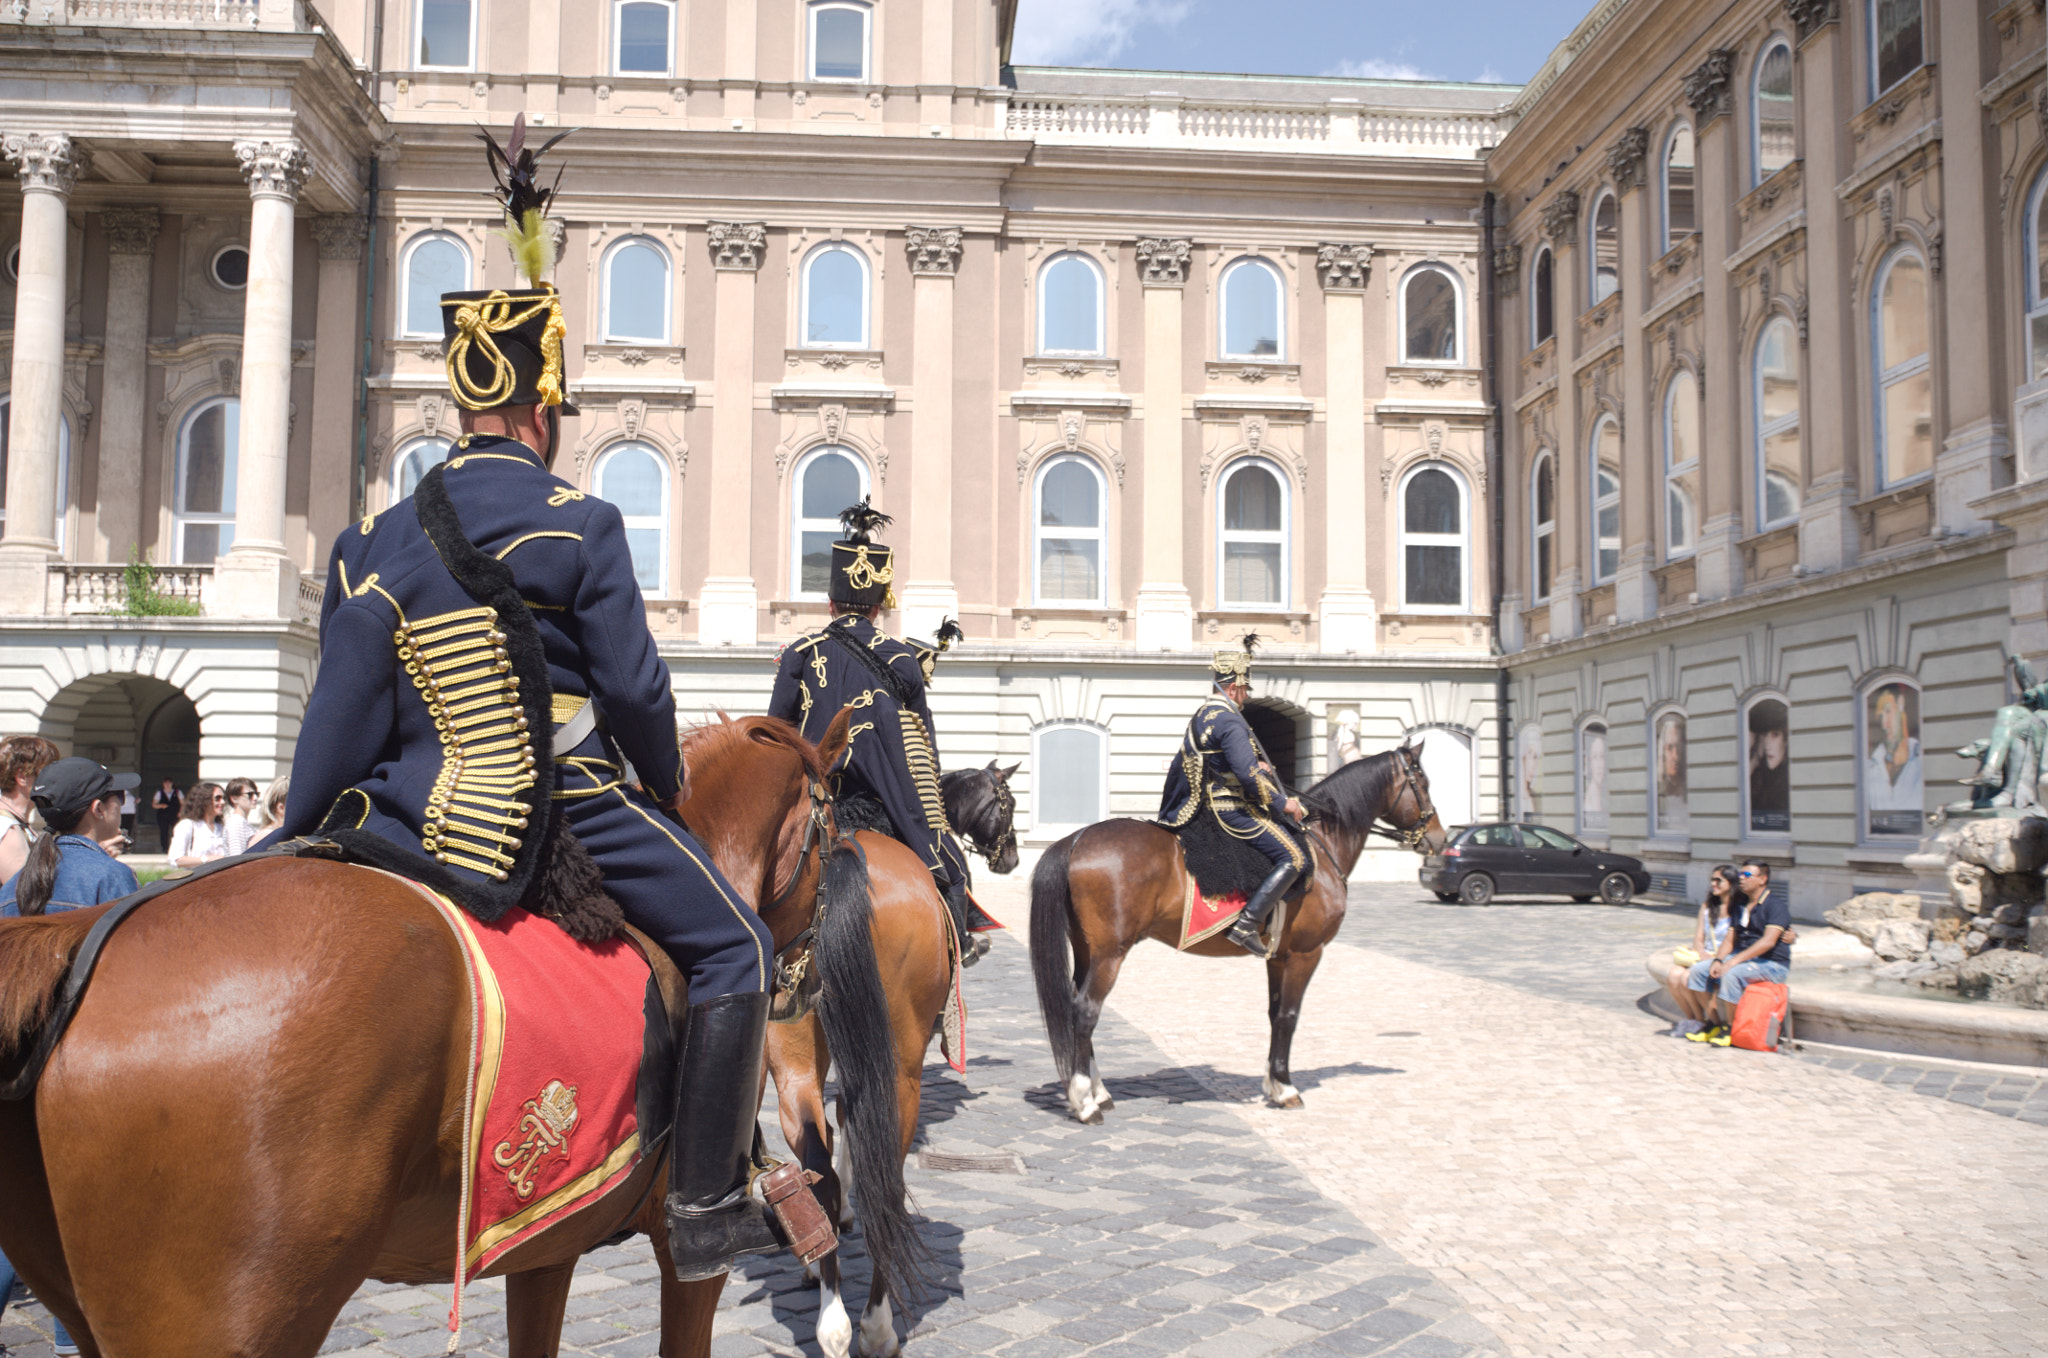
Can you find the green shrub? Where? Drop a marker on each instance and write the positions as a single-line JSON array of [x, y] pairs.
[[140, 597]]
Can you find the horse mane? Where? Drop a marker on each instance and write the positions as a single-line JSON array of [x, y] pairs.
[[1356, 794], [717, 738]]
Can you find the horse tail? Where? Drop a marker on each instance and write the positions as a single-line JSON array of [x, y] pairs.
[[1052, 915], [35, 956], [854, 1009]]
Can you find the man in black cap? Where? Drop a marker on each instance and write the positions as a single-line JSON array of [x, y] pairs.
[[70, 867], [490, 675], [888, 779]]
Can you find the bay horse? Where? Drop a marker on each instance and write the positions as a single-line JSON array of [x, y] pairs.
[[1109, 885], [258, 1103], [913, 952]]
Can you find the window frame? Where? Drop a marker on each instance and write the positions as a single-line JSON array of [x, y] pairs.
[[405, 452], [180, 516], [611, 256], [1593, 295], [867, 293], [1039, 821], [63, 500], [1583, 827], [1457, 358], [1279, 278], [799, 525], [1883, 378], [1101, 305], [1595, 501], [1757, 173], [1539, 529], [1674, 470], [1664, 235], [1877, 91], [658, 521], [419, 24], [1403, 537], [1100, 534], [213, 266], [1543, 273], [619, 34], [1759, 430], [867, 35], [405, 298], [2034, 294], [1284, 536]]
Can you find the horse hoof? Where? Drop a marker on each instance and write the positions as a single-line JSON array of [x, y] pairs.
[[1281, 1095], [835, 1328], [1089, 1114], [878, 1331]]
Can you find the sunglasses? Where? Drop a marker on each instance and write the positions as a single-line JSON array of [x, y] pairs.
[[1746, 872]]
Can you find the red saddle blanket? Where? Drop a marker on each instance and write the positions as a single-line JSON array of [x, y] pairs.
[[1201, 916]]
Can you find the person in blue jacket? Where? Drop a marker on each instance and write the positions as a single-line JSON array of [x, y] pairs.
[[68, 868]]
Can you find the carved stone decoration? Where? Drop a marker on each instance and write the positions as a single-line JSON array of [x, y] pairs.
[[1934, 254], [832, 418], [1812, 15], [1254, 430], [1070, 430], [274, 169], [1884, 210], [1250, 373], [738, 246], [632, 414], [1763, 280], [2041, 110], [1164, 260], [1386, 479], [835, 362], [1561, 217], [1023, 465], [1433, 377], [1116, 464], [934, 250], [49, 161], [633, 358], [340, 235], [1507, 264], [1628, 159], [1708, 88], [1433, 435], [1799, 314], [131, 230], [431, 409], [1344, 268]]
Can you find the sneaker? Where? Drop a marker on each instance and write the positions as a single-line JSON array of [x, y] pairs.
[[1721, 1037], [1716, 1035]]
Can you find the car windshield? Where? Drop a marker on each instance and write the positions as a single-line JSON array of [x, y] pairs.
[[1548, 838]]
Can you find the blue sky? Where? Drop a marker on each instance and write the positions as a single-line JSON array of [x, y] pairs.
[[1416, 40]]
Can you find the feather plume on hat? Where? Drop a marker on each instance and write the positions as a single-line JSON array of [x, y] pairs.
[[948, 633], [514, 168], [863, 521]]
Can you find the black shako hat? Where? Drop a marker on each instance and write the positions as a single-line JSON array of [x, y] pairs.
[[64, 789], [862, 568]]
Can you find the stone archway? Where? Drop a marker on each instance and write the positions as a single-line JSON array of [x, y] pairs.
[[130, 723], [1283, 729]]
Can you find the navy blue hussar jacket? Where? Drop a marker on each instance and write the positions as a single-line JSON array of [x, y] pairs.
[[1220, 763], [892, 756], [415, 731]]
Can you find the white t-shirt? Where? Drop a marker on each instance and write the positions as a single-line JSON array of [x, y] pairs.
[[196, 839], [235, 829]]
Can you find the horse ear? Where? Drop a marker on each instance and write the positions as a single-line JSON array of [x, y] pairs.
[[833, 743], [1416, 746], [1004, 774]]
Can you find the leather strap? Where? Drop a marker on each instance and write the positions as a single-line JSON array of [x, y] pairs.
[[841, 631], [574, 731]]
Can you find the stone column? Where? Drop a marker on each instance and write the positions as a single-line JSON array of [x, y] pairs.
[[1165, 610], [49, 163], [928, 596], [1972, 373], [728, 608], [1642, 462], [336, 341], [131, 245], [1349, 617], [256, 578], [1828, 538], [1718, 569], [1568, 535]]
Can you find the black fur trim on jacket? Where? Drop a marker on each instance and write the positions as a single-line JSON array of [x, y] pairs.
[[1221, 863]]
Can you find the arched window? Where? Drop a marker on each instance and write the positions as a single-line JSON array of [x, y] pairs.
[[1679, 220], [1067, 531], [2035, 266], [1605, 466], [1070, 770], [1253, 541], [634, 477], [1543, 298], [1894, 791], [1681, 464], [1605, 278], [1543, 526], [62, 501], [1896, 46], [1905, 381], [1779, 481], [1429, 316], [413, 463], [1447, 763], [839, 41], [447, 34], [1771, 146], [1433, 519], [636, 292], [835, 298], [1593, 778], [1070, 306], [827, 480], [434, 263], [1252, 311], [203, 508], [644, 35]]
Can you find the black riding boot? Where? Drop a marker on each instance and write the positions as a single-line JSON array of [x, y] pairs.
[[1245, 932], [712, 1218], [972, 945]]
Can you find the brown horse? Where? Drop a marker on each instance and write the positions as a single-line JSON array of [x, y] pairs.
[[1103, 888], [259, 1101], [913, 951]]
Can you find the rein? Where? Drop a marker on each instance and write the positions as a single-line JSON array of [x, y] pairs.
[[1425, 811], [1006, 807]]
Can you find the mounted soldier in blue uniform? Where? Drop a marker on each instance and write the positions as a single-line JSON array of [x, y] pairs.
[[1223, 771], [888, 779], [490, 674]]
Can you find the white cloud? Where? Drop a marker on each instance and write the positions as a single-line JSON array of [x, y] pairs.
[[1085, 32], [1374, 68], [1490, 76]]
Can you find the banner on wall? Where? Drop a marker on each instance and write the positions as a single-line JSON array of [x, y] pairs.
[[1528, 770], [1769, 760], [1593, 777], [1673, 809], [1893, 794]]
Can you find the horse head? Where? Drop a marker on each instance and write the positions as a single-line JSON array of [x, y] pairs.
[[983, 810], [1410, 810]]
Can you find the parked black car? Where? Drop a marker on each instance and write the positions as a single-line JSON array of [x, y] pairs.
[[1523, 859]]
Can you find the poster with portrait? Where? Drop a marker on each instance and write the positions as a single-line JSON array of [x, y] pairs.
[[1593, 777], [1667, 753], [1528, 770], [1768, 761], [1893, 794]]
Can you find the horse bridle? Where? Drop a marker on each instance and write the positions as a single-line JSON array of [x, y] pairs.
[[1005, 807], [818, 828], [1425, 810]]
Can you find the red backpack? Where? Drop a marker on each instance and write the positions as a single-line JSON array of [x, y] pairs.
[[1763, 1013]]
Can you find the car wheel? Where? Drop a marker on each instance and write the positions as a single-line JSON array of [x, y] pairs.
[[1445, 895], [1616, 888], [1476, 889]]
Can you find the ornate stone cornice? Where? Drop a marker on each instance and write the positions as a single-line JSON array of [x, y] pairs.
[[1344, 268], [340, 235], [1812, 15], [934, 250], [1561, 217], [48, 161], [738, 246], [1629, 158], [1707, 88], [131, 230], [1164, 260], [274, 169]]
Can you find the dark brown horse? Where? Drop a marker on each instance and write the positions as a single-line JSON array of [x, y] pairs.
[[259, 1102], [1102, 889]]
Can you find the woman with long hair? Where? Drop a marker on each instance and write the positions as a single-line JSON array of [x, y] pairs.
[[1712, 924], [200, 837], [70, 867], [22, 758]]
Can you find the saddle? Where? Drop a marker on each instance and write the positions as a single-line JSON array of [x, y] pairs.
[[1221, 863]]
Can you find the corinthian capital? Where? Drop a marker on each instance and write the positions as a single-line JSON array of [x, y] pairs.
[[1164, 260], [340, 235], [130, 230], [1345, 268], [49, 161], [933, 249], [274, 169], [1706, 89], [1628, 159], [738, 246]]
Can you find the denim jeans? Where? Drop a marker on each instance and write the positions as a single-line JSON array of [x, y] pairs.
[[7, 1287]]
